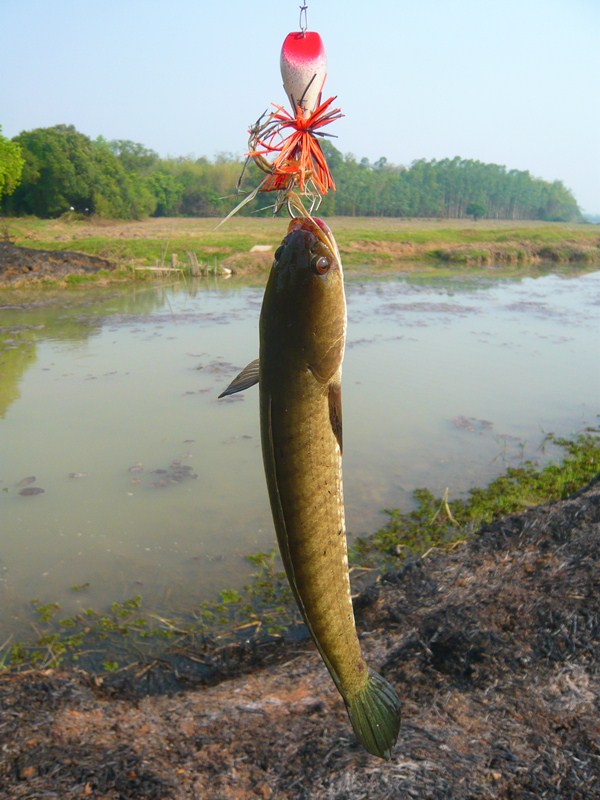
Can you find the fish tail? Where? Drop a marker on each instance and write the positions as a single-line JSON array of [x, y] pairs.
[[374, 712]]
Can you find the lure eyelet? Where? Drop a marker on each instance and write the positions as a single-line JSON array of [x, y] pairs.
[[320, 265]]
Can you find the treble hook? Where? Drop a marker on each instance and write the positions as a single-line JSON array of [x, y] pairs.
[[289, 209], [303, 18]]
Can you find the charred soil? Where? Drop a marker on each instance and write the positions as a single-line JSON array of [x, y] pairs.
[[494, 648], [25, 265]]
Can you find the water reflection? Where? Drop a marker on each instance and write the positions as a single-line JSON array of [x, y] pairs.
[[153, 487]]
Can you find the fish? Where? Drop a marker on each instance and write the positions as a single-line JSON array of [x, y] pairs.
[[302, 340]]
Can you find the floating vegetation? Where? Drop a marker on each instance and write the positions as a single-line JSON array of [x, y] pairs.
[[471, 424], [31, 491], [176, 472], [27, 481]]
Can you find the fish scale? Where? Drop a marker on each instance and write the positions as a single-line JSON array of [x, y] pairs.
[[304, 478]]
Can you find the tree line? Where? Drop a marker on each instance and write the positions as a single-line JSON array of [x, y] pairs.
[[49, 171]]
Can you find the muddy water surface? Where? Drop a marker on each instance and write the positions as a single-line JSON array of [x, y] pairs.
[[121, 472]]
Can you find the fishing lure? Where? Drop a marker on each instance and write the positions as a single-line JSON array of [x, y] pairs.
[[285, 145]]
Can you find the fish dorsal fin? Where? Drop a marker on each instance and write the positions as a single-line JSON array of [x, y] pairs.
[[335, 410], [248, 377]]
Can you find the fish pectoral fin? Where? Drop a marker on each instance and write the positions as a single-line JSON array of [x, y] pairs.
[[248, 377], [335, 410]]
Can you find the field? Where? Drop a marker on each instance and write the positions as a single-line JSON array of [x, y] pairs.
[[381, 242]]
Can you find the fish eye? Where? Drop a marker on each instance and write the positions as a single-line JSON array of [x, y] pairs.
[[320, 264]]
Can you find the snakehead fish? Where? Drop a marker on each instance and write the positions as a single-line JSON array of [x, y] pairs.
[[302, 338]]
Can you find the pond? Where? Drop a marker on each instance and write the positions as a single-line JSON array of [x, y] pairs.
[[153, 487]]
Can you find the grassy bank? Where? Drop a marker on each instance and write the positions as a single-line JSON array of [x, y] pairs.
[[378, 242], [127, 638]]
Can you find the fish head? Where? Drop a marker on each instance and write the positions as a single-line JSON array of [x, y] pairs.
[[304, 309]]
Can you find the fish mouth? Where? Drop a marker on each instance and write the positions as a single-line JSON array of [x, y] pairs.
[[319, 229]]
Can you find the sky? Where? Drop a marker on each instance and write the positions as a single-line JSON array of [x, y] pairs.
[[515, 82]]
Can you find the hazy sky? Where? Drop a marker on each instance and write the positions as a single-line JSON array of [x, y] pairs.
[[515, 82]]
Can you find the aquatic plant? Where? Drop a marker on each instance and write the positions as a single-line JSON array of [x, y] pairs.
[[439, 522]]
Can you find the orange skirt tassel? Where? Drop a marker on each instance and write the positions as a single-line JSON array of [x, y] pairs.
[[299, 160]]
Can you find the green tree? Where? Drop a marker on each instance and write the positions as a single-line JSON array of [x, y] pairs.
[[11, 165], [118, 193], [58, 172], [133, 156], [63, 169], [558, 203], [475, 210], [167, 191]]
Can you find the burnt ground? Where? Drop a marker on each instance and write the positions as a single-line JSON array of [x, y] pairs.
[[494, 648], [24, 264]]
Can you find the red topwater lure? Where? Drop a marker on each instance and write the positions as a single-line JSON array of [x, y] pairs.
[[285, 146]]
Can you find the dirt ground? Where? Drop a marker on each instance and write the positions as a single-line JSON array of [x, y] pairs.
[[22, 264], [494, 648]]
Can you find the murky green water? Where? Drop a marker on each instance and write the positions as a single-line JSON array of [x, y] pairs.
[[153, 487]]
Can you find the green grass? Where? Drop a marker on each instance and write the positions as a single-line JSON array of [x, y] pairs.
[[438, 522]]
